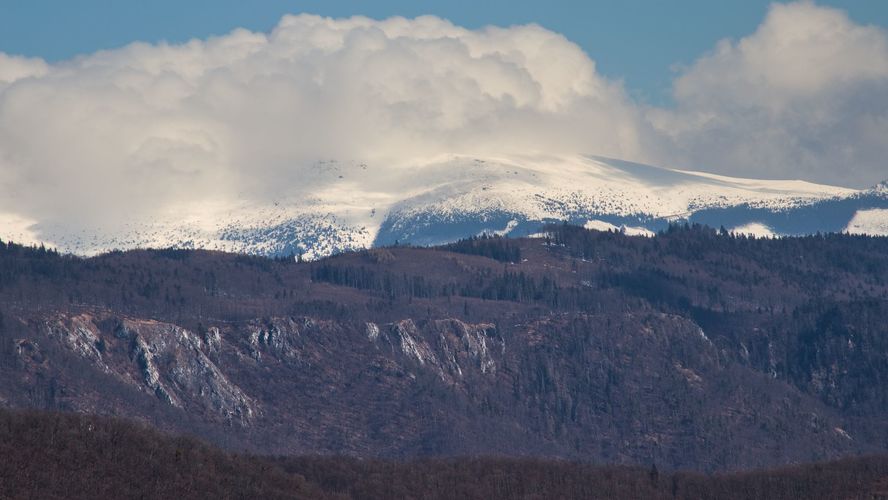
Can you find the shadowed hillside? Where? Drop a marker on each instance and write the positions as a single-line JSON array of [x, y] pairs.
[[50, 455]]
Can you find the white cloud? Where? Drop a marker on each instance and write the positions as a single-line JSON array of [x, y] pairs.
[[132, 131], [805, 96], [14, 68], [241, 114]]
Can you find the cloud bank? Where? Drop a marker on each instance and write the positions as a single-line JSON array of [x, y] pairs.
[[136, 129], [805, 96]]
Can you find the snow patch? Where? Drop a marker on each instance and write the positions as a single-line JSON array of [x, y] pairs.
[[754, 229], [512, 224], [600, 225], [872, 222]]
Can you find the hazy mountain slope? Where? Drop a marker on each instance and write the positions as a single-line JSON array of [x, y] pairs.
[[346, 206]]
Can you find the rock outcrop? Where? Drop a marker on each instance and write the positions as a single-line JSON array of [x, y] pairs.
[[163, 359]]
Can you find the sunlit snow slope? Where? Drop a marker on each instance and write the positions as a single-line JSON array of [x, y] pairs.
[[350, 205]]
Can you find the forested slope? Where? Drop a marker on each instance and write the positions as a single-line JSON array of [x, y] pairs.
[[693, 349]]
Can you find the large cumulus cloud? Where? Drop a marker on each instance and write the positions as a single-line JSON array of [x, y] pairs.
[[805, 96], [243, 114], [137, 129]]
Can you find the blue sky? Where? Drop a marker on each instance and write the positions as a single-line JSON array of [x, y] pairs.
[[638, 41]]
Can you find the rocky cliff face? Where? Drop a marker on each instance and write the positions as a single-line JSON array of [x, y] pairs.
[[176, 365], [162, 359], [652, 386]]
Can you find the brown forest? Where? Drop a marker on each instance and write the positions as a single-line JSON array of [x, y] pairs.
[[51, 455], [692, 350]]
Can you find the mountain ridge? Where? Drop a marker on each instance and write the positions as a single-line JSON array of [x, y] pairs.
[[350, 205], [694, 348]]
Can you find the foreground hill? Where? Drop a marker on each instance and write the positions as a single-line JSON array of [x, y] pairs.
[[691, 350], [50, 455], [341, 206]]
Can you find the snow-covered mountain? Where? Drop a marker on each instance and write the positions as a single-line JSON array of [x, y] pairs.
[[349, 205]]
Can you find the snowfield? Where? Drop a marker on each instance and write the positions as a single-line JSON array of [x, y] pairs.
[[351, 205], [873, 222]]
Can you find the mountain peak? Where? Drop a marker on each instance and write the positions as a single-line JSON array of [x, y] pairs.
[[350, 205]]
